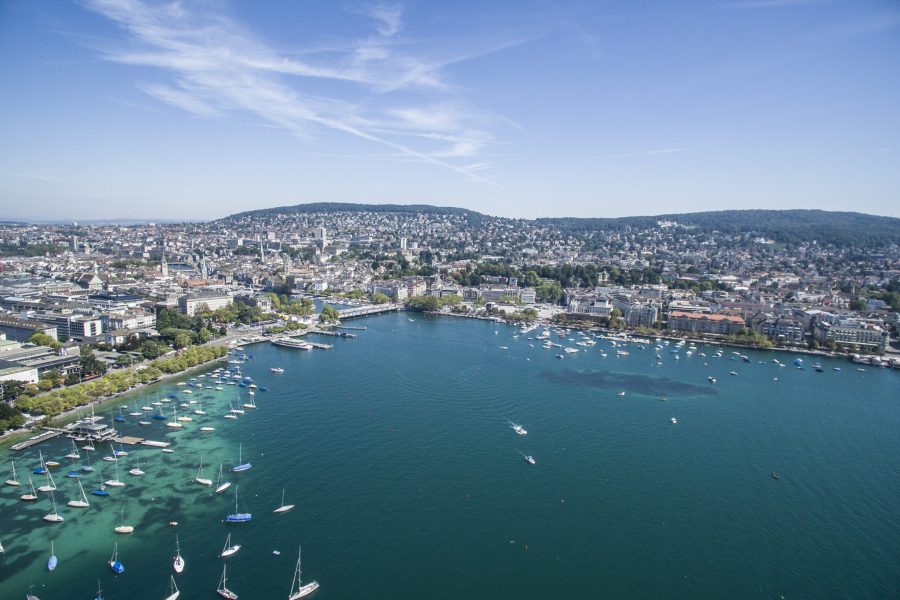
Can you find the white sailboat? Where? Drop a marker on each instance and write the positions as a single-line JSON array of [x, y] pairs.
[[29, 497], [14, 481], [115, 482], [174, 424], [53, 517], [302, 590], [121, 527], [82, 502], [284, 507], [173, 589], [137, 470], [221, 486], [223, 590], [52, 561], [178, 561], [51, 486], [241, 466], [228, 550], [200, 478]]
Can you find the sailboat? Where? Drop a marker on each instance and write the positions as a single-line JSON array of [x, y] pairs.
[[82, 502], [100, 491], [173, 589], [120, 528], [29, 595], [221, 486], [237, 517], [231, 414], [115, 482], [159, 416], [120, 418], [284, 507], [241, 466], [178, 562], [99, 592], [29, 497], [53, 561], [302, 590], [137, 470], [228, 550], [251, 403], [41, 470], [53, 517], [51, 486], [117, 567], [223, 590], [174, 424], [14, 481], [200, 478]]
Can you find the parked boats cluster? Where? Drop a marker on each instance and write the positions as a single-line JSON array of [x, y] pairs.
[[231, 375]]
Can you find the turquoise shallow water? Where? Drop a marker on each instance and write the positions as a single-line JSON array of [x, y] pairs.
[[409, 483]]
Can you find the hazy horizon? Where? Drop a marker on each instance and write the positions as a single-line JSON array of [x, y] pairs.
[[193, 111]]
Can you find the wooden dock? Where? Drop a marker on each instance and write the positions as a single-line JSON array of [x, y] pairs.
[[36, 439]]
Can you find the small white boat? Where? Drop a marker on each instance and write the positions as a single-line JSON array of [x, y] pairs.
[[178, 561], [207, 428], [674, 421], [277, 370], [121, 527], [14, 480], [173, 589], [221, 486], [115, 482], [284, 507], [53, 517], [137, 471], [530, 459], [228, 550], [29, 497], [621, 393], [82, 501], [519, 429], [302, 590], [200, 478], [223, 590]]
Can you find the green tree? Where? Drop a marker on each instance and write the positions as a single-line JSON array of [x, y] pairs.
[[329, 314], [182, 340], [380, 298], [90, 364], [42, 339]]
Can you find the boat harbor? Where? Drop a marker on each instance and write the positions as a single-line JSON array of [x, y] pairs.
[[36, 439]]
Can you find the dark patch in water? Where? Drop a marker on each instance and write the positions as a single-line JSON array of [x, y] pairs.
[[638, 384]]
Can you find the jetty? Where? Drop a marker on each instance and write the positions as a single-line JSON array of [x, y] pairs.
[[363, 328], [49, 434]]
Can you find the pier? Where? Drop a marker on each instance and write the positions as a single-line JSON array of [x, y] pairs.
[[364, 311], [36, 439], [335, 333], [363, 328]]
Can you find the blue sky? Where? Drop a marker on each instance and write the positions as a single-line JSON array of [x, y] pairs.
[[195, 110]]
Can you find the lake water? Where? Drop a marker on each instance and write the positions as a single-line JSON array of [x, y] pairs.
[[409, 483]]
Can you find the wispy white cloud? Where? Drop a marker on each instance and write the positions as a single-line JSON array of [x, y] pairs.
[[216, 69]]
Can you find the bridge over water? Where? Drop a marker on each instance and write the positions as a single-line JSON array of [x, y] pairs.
[[364, 311]]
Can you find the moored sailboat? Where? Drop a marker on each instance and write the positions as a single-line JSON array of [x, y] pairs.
[[52, 561], [53, 517], [223, 590], [29, 497], [200, 478], [221, 486], [117, 567], [302, 590], [82, 501], [121, 527], [228, 550], [241, 466], [178, 561], [14, 480], [237, 517], [173, 589], [284, 507]]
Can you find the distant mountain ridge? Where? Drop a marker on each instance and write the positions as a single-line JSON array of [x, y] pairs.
[[787, 226]]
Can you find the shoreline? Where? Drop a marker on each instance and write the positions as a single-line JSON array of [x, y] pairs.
[[66, 417], [610, 334]]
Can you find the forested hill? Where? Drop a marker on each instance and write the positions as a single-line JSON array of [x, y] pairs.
[[340, 207], [789, 226]]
